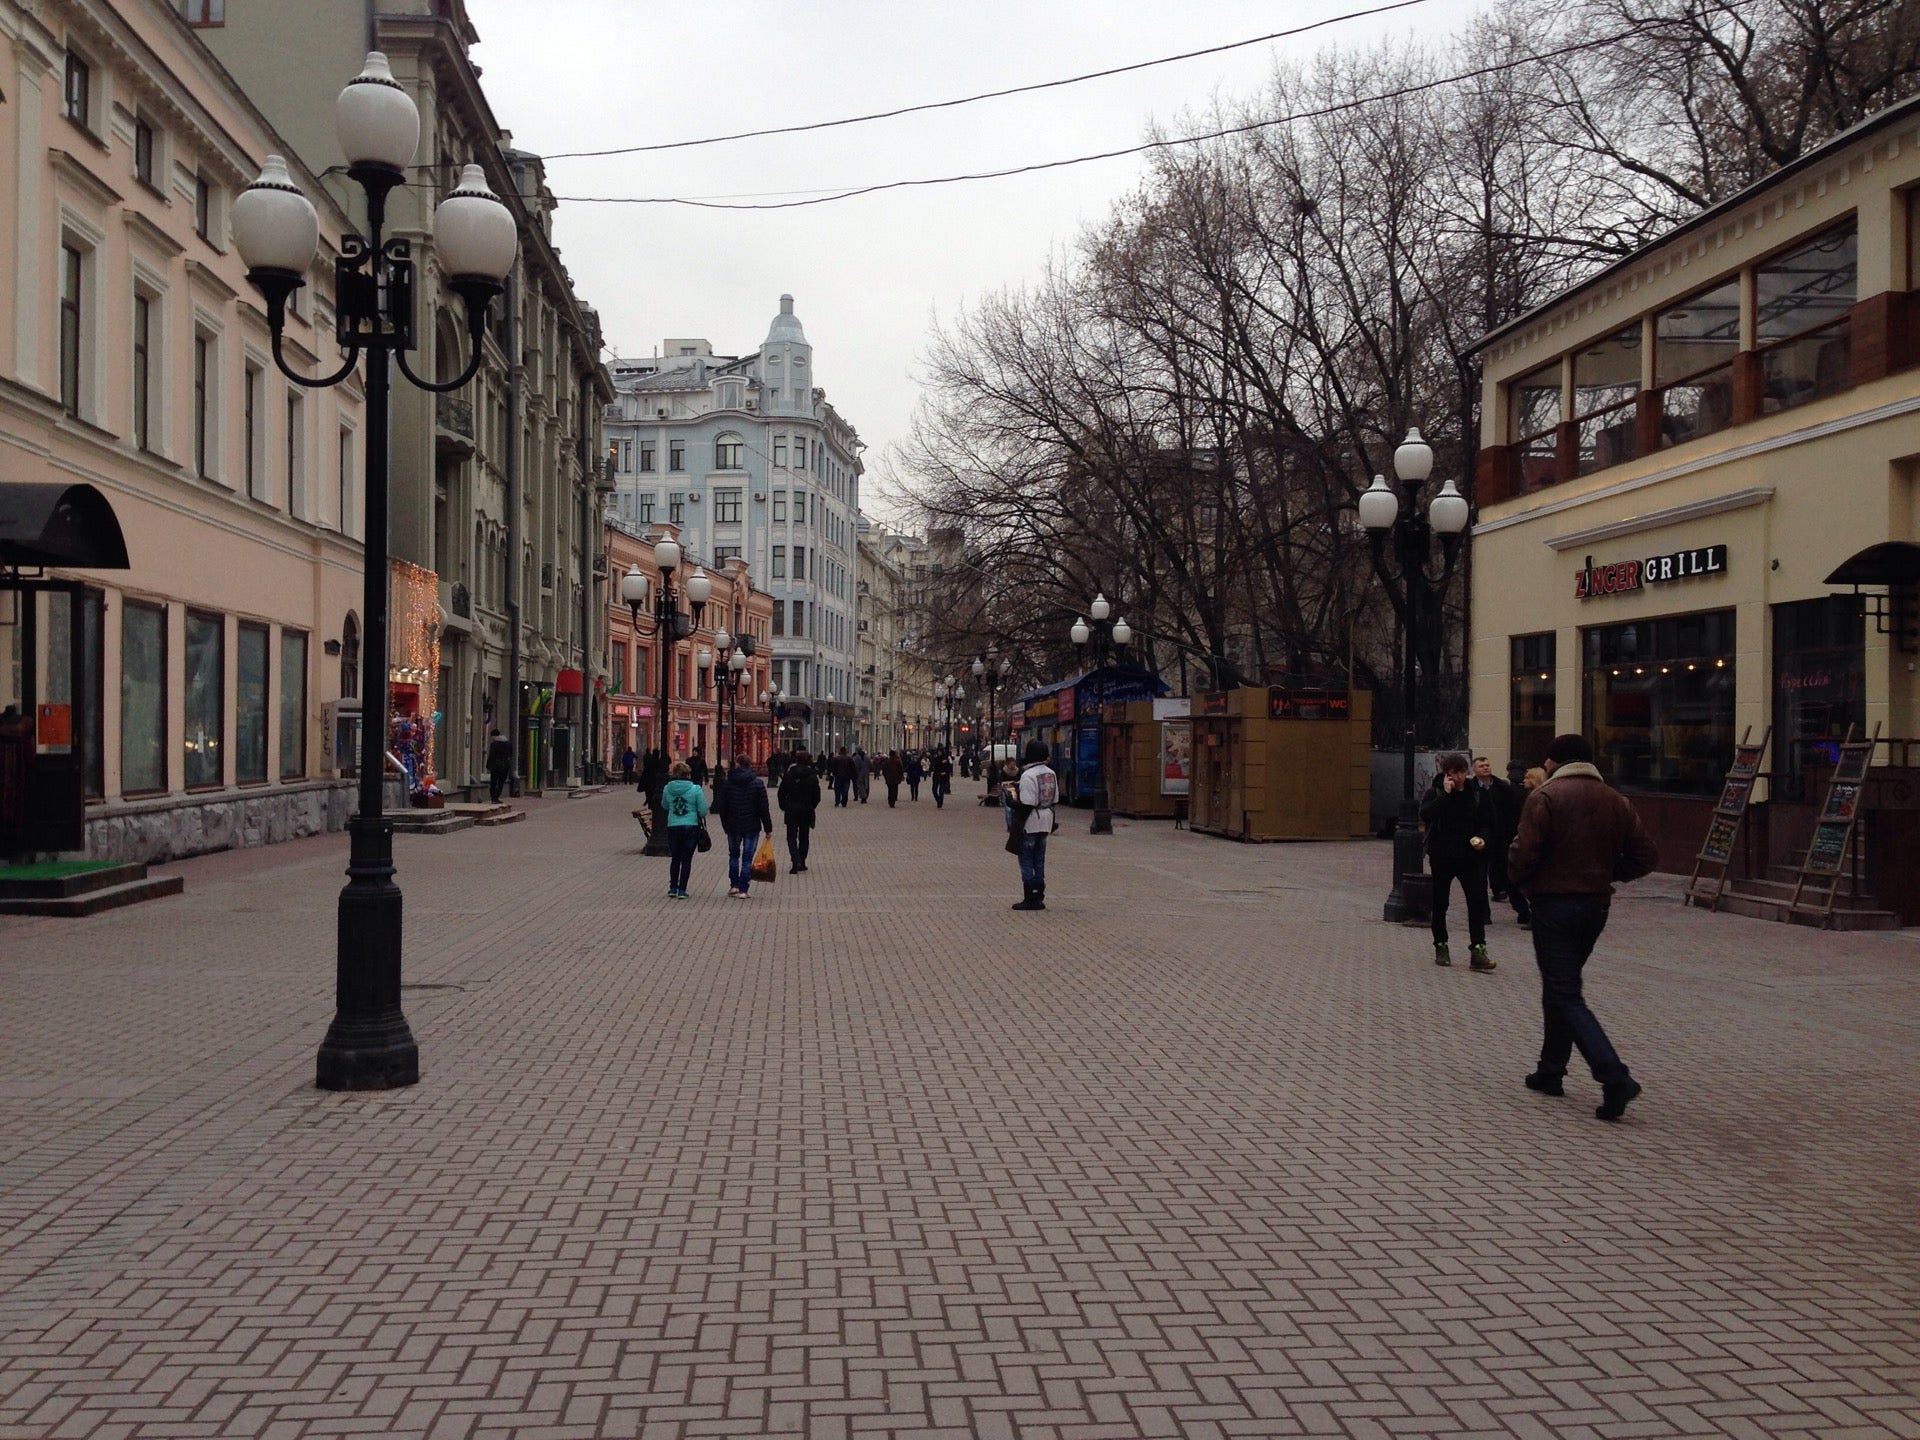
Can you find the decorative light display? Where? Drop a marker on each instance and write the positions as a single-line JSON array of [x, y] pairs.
[[414, 644]]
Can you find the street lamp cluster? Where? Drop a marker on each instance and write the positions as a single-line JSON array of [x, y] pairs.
[[671, 625], [730, 653], [990, 668], [277, 232], [1384, 513], [1097, 640]]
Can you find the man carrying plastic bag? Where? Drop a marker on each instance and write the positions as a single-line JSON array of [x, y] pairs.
[[745, 816]]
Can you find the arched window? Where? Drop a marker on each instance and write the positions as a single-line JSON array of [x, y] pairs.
[[727, 452], [350, 658]]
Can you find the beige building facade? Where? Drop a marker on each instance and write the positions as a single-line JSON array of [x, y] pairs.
[[497, 488], [135, 358], [894, 706], [1679, 459]]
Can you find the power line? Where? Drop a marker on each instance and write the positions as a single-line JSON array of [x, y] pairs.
[[986, 95], [1041, 165]]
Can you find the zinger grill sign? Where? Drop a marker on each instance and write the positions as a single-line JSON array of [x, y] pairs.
[[1627, 575]]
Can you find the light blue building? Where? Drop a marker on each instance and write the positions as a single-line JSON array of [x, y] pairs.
[[743, 455]]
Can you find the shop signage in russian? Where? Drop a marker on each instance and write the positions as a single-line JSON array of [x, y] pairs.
[[1067, 708], [1308, 704], [1623, 576], [1213, 702]]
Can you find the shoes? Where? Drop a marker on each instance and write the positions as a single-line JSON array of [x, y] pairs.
[[1526, 922], [1545, 1084], [1442, 955], [1030, 899], [732, 893], [1616, 1098], [1479, 958], [1500, 895], [796, 869]]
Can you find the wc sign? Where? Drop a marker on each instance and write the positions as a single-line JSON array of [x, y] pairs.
[[1622, 576]]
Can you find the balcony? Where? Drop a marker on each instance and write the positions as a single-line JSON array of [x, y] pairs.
[[453, 424]]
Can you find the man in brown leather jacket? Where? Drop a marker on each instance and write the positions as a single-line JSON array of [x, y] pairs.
[[1577, 836]]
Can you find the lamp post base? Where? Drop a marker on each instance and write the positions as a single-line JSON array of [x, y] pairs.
[[369, 1045], [656, 845], [1409, 859], [1102, 818]]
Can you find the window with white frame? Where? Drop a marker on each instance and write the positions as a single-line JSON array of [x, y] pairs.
[[727, 451], [78, 99]]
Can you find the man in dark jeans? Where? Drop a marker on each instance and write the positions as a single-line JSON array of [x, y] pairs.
[[1460, 824], [499, 764], [1577, 835]]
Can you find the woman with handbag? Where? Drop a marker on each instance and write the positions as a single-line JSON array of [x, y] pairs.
[[686, 807]]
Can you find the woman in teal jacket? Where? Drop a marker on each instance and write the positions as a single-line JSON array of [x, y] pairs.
[[686, 807]]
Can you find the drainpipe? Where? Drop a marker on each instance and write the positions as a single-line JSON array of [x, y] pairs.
[[583, 446], [514, 722]]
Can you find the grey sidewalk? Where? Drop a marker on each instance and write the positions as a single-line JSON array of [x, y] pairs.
[[1203, 1150]]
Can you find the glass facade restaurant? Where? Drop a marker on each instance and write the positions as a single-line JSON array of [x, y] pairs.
[[1659, 701]]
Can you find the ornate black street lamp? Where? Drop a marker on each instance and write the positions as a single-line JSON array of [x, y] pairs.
[[731, 653], [990, 668], [369, 1045], [1381, 511], [1097, 641], [769, 702], [672, 626]]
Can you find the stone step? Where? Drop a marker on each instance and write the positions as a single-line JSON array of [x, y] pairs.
[[430, 822], [485, 813], [1781, 892], [581, 792], [1844, 917], [92, 902]]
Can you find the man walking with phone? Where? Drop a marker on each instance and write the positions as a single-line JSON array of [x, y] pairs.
[[1577, 835]]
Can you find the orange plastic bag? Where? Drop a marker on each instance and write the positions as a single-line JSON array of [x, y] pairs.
[[763, 866]]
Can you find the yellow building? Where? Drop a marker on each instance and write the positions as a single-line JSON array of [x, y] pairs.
[[1677, 456]]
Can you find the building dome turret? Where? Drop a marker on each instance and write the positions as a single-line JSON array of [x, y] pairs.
[[786, 325]]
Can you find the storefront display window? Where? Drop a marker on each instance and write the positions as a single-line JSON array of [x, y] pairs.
[[143, 698], [206, 713], [1659, 701], [1819, 686], [1532, 718], [250, 707]]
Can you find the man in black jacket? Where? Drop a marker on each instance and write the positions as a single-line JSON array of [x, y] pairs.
[[799, 803], [745, 816], [499, 764], [1506, 814], [1460, 822]]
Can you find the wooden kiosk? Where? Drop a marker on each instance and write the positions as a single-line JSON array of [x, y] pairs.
[[1148, 745], [1275, 763]]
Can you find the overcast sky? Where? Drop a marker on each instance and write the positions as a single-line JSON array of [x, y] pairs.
[[868, 275]]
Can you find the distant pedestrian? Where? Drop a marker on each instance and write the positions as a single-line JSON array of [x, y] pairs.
[[697, 766], [1530, 781], [942, 778], [745, 816], [777, 763], [840, 771], [1577, 836], [799, 804], [627, 761], [893, 772], [499, 764], [916, 771], [1506, 814], [1030, 817], [1460, 823], [686, 805], [862, 775]]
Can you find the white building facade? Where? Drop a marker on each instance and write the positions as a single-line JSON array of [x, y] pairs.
[[744, 454]]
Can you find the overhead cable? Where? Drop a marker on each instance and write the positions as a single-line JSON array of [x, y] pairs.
[[986, 95]]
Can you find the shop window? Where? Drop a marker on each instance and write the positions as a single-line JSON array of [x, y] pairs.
[[1694, 343], [1819, 687], [250, 707], [143, 698], [293, 704], [205, 736], [1606, 391], [1659, 701], [1803, 301], [87, 713], [1531, 723]]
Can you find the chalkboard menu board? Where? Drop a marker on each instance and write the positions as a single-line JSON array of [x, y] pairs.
[[1723, 828], [1829, 847], [1819, 882]]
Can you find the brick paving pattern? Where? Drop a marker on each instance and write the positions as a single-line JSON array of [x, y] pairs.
[[1205, 1150]]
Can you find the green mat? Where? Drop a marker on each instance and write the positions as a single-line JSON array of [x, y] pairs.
[[53, 869]]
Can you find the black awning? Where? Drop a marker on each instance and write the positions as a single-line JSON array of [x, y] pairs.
[[71, 525], [1892, 562]]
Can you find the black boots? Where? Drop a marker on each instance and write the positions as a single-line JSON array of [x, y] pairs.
[[1036, 898]]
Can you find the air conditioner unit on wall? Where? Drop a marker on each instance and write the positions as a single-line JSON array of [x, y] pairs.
[[661, 412]]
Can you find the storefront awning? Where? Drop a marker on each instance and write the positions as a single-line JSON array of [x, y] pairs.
[[1892, 562], [52, 524]]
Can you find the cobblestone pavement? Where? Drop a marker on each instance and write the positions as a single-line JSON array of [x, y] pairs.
[[1204, 1150]]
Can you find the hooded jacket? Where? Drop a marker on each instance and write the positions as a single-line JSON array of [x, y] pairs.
[[742, 802], [1577, 835], [800, 794]]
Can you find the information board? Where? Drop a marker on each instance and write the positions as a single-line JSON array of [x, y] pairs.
[[1723, 826]]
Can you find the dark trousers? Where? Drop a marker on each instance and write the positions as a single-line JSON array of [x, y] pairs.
[[840, 788], [893, 793], [1472, 875], [913, 789], [496, 782], [681, 843], [1497, 868], [940, 789], [1565, 929], [799, 837]]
